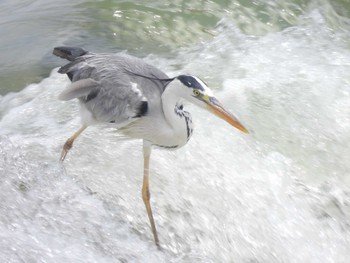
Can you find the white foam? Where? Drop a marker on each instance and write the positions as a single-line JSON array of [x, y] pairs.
[[277, 195]]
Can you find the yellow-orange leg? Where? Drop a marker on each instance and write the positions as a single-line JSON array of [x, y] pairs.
[[146, 196], [69, 143]]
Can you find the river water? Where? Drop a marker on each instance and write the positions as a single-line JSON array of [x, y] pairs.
[[279, 194]]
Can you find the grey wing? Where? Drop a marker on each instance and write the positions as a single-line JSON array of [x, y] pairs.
[[115, 102], [79, 89], [105, 87]]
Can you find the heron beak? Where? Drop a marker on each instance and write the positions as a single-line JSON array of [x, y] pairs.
[[214, 106]]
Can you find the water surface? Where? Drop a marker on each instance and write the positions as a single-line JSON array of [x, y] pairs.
[[280, 194]]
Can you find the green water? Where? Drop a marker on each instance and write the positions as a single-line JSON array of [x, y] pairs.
[[30, 29]]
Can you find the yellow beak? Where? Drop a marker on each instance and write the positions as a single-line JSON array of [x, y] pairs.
[[214, 106]]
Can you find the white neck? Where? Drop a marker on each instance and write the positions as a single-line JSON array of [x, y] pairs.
[[177, 121], [169, 101]]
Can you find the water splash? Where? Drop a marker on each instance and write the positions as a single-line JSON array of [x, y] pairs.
[[225, 196]]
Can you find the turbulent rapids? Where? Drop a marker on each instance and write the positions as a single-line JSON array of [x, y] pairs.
[[281, 194]]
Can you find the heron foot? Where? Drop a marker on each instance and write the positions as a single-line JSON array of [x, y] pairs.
[[146, 196], [66, 147], [69, 143]]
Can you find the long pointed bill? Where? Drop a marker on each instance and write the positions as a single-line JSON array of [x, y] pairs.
[[215, 107]]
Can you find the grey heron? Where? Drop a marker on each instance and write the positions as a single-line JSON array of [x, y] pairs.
[[139, 99]]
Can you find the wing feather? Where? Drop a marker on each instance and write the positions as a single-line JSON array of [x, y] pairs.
[[80, 88], [104, 85]]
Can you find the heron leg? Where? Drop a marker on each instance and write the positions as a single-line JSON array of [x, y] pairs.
[[69, 143], [146, 196]]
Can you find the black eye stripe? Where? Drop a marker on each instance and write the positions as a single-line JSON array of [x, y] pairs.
[[190, 82]]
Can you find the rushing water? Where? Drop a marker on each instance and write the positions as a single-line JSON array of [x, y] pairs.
[[280, 194]]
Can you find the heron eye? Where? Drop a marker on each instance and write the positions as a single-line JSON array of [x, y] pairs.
[[196, 92]]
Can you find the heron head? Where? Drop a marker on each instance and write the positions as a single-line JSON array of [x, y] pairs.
[[196, 91]]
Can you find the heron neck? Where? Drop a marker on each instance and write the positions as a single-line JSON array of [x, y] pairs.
[[177, 119], [169, 102]]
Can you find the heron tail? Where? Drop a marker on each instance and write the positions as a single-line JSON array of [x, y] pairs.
[[70, 53]]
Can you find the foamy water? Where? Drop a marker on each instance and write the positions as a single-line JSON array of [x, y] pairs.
[[280, 194]]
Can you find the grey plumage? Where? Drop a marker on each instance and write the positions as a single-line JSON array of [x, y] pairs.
[[83, 88], [111, 86], [142, 101]]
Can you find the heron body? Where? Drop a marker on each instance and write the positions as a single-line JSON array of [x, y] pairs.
[[141, 101]]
